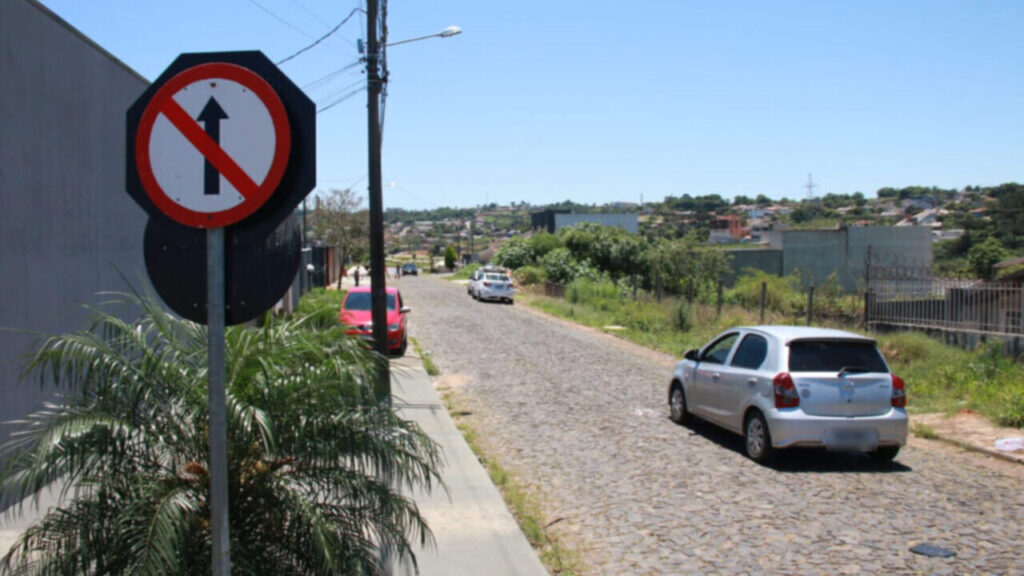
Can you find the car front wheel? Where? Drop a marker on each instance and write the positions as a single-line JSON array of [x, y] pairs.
[[756, 439], [677, 404]]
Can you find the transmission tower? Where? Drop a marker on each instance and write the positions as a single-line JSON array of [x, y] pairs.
[[810, 187]]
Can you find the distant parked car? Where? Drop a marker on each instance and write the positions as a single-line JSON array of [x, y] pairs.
[[410, 269], [792, 386], [355, 315], [494, 286]]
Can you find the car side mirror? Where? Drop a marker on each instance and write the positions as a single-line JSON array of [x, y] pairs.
[[405, 310], [691, 355]]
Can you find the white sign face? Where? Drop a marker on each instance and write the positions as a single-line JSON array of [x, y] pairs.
[[212, 145], [246, 134]]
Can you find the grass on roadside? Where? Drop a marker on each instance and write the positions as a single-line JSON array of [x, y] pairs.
[[923, 431], [526, 509], [523, 505], [428, 362], [939, 377]]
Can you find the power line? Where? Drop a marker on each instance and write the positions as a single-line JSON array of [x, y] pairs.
[[280, 19], [331, 75], [342, 99], [341, 90], [311, 13], [322, 38]]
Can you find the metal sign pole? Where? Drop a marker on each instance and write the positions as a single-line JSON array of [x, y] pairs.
[[218, 410]]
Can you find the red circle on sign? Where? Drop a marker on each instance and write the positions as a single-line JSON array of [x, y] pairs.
[[256, 195]]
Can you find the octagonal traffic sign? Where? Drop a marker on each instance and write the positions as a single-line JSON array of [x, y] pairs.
[[221, 139]]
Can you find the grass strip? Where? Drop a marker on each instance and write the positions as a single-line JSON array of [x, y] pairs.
[[526, 508]]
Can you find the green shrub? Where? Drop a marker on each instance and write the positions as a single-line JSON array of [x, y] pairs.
[[529, 275], [514, 253], [466, 271], [587, 291], [783, 294], [318, 299], [642, 316], [682, 316]]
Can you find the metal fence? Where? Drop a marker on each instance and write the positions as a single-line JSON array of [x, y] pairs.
[[949, 305]]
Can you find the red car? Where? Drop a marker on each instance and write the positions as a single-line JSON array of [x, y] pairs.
[[356, 316]]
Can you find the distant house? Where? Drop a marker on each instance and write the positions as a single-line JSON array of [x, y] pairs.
[[1010, 270], [929, 217], [726, 229]]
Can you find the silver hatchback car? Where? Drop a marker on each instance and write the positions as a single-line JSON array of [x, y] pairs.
[[789, 386]]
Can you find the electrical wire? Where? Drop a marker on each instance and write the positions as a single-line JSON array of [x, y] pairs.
[[280, 19], [322, 38], [358, 83], [410, 194], [342, 99], [330, 76]]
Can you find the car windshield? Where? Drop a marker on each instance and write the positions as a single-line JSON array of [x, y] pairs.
[[361, 301], [497, 278], [833, 356]]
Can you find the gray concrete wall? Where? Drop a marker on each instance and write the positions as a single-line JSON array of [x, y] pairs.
[[629, 222], [816, 254], [65, 218], [769, 261]]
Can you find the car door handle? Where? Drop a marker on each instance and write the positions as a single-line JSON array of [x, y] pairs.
[[752, 381], [715, 376]]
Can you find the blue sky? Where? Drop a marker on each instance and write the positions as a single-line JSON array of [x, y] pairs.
[[597, 101]]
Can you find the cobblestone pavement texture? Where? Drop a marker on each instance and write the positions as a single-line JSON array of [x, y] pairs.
[[581, 418]]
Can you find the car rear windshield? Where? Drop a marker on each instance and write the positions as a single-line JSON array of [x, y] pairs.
[[361, 301], [497, 278], [833, 356]]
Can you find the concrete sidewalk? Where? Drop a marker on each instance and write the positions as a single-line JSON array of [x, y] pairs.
[[474, 530]]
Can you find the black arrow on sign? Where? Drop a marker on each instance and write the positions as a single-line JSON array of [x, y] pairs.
[[211, 116]]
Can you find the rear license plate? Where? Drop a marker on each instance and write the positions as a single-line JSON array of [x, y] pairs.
[[851, 439]]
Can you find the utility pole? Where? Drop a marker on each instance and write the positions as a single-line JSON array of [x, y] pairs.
[[378, 294]]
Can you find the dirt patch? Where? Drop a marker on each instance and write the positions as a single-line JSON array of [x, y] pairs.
[[970, 430], [453, 382]]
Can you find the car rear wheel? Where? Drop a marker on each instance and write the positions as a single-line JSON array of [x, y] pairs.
[[885, 454], [756, 439], [677, 404]]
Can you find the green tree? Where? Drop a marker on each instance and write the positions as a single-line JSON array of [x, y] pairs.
[[339, 221], [449, 257], [514, 253], [544, 242], [1008, 213], [561, 268], [982, 257], [317, 467]]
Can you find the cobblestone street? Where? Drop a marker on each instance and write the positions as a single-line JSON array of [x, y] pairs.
[[581, 418]]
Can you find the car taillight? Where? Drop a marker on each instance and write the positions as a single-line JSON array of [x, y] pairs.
[[786, 395], [899, 392], [488, 284]]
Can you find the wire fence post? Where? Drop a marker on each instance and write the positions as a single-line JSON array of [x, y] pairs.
[[810, 304], [718, 310], [764, 294], [867, 308]]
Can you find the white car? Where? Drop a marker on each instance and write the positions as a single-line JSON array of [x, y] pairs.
[[494, 286], [792, 386]]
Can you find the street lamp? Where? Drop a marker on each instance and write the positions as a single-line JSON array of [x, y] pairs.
[[378, 296], [446, 33]]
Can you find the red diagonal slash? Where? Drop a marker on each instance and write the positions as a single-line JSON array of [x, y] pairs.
[[209, 149]]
